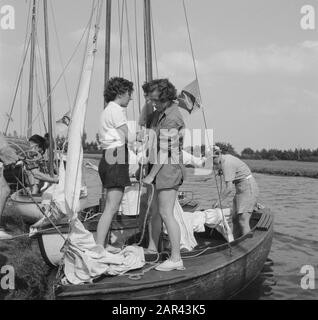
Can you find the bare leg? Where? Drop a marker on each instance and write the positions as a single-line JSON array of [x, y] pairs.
[[154, 227], [241, 224], [166, 202], [113, 200]]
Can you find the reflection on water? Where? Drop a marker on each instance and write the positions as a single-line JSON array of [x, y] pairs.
[[294, 203]]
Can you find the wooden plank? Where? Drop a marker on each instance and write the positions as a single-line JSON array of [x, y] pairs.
[[262, 224]]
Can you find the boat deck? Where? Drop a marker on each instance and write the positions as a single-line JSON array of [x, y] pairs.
[[214, 267]]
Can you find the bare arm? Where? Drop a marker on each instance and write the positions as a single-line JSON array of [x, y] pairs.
[[44, 177], [129, 136]]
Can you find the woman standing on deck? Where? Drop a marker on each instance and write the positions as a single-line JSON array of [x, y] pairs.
[[113, 134], [166, 171]]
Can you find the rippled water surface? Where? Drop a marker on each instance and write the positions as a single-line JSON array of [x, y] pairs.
[[294, 203]]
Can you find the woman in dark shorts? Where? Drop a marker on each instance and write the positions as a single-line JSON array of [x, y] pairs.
[[167, 171], [113, 135]]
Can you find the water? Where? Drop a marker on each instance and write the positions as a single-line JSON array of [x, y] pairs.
[[294, 203]]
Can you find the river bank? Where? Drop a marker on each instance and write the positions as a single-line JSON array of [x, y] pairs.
[[276, 167], [284, 168]]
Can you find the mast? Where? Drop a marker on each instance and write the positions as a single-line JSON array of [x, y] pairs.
[[31, 76], [48, 89], [148, 51], [106, 74], [107, 43]]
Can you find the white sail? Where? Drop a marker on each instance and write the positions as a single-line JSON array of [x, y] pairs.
[[84, 259]]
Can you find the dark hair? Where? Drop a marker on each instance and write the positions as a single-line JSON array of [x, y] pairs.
[[116, 86], [167, 91], [40, 141]]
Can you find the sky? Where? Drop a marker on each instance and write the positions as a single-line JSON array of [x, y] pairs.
[[257, 68]]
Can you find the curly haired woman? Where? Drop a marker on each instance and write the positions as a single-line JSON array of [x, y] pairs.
[[113, 135], [167, 170]]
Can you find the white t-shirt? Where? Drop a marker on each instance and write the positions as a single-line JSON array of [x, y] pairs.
[[112, 117]]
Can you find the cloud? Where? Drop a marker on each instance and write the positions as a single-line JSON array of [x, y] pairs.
[[271, 60], [177, 62]]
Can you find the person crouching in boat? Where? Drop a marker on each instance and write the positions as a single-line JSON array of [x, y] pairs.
[[167, 173], [36, 170], [236, 172], [113, 136]]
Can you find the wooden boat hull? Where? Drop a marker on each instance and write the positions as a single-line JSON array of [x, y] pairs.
[[213, 276], [23, 206], [217, 272], [50, 243]]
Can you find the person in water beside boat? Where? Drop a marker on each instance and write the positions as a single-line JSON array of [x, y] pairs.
[[36, 170], [236, 172], [166, 167], [114, 165]]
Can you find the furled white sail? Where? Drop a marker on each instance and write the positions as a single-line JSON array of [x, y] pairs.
[[84, 259]]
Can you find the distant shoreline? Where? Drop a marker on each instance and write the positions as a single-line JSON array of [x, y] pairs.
[[278, 167], [284, 168]]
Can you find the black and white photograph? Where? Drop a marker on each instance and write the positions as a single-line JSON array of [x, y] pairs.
[[162, 150]]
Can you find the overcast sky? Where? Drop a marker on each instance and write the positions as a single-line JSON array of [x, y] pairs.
[[257, 68]]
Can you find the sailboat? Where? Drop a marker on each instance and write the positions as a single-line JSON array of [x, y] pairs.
[[215, 268], [28, 207]]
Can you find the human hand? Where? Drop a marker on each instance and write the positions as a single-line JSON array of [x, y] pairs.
[[215, 205], [149, 179], [140, 136]]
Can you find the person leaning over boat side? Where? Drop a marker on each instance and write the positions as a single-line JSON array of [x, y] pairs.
[[113, 135], [36, 165], [7, 157], [168, 173], [236, 172]]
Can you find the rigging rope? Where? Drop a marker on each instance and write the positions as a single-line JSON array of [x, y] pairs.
[[137, 58], [38, 98], [66, 66], [130, 57], [17, 86], [60, 55], [121, 18], [154, 42], [202, 108], [88, 29]]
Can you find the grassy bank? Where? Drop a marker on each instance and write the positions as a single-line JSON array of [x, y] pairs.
[[31, 273], [284, 168]]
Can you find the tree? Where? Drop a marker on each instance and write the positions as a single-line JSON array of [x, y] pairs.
[[247, 153]]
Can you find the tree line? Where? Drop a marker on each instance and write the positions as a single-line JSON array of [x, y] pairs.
[[298, 154]]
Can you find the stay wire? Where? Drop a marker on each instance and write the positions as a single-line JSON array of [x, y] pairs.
[[60, 55], [154, 42], [203, 113], [17, 86], [137, 58]]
